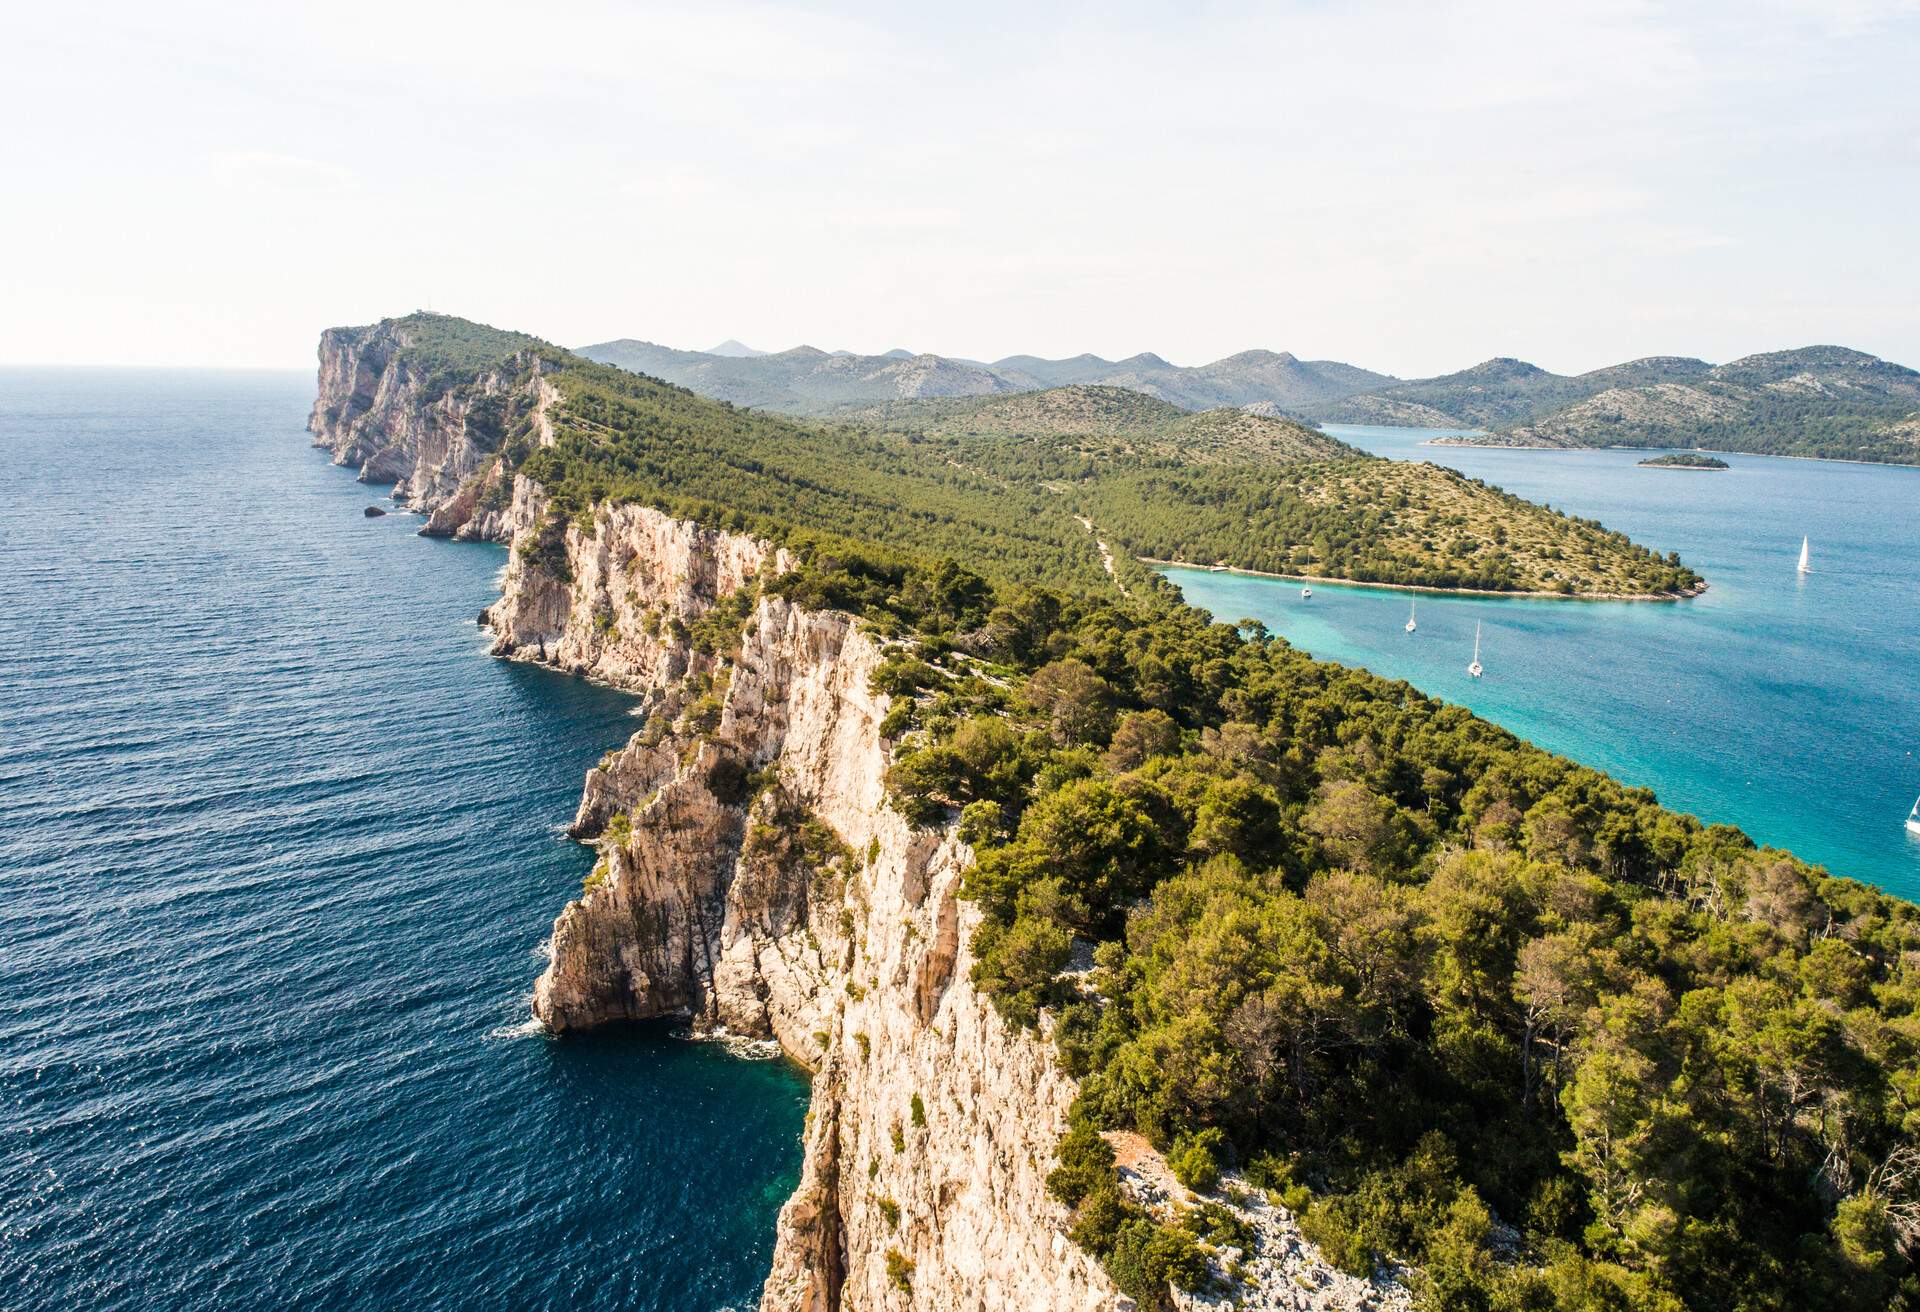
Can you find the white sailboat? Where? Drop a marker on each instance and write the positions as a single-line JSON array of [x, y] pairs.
[[1305, 593], [1411, 610], [1474, 669], [1805, 568], [1913, 818]]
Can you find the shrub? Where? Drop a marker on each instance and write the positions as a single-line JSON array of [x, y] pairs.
[[1086, 1165], [900, 1270], [1097, 1221], [1196, 1160], [1015, 966], [1147, 1257]]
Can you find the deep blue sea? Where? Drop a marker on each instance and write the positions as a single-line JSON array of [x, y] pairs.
[[278, 852], [1787, 705]]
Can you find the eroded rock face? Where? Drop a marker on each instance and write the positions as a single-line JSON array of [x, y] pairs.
[[375, 413], [754, 880]]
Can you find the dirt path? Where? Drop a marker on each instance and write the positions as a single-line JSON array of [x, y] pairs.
[[1106, 555]]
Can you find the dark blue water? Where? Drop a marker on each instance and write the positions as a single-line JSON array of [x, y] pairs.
[[1788, 706], [277, 855]]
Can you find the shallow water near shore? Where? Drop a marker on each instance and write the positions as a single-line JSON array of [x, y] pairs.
[[279, 855], [1784, 704]]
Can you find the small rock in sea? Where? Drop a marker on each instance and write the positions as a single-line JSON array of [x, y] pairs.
[[481, 619], [373, 512]]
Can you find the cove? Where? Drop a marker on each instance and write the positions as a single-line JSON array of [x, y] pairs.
[[1786, 705]]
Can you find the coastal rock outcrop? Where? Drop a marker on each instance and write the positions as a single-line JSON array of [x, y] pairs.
[[753, 879], [437, 444]]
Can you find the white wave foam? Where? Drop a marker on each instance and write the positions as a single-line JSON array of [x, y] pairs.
[[526, 1029], [739, 1045]]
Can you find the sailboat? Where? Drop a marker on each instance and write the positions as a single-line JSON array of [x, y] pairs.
[[1913, 818], [1475, 669], [1411, 626], [1305, 593], [1804, 567]]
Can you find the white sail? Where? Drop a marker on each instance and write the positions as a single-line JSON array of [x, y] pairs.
[[1913, 818], [1804, 568], [1475, 669], [1412, 612]]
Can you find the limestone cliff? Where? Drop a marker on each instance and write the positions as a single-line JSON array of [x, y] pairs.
[[438, 444], [753, 879]]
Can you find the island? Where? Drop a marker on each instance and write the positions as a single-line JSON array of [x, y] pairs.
[[1819, 402], [1685, 460], [1129, 951]]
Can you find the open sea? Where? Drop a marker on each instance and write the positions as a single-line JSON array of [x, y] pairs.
[[1788, 705], [278, 854]]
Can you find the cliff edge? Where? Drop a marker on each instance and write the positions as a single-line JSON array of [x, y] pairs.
[[438, 441], [752, 879]]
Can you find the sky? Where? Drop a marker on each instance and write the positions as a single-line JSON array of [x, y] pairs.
[[1410, 187]]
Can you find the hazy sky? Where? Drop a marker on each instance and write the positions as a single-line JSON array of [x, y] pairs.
[[1412, 187]]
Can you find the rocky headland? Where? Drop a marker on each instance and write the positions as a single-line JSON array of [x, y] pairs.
[[753, 880]]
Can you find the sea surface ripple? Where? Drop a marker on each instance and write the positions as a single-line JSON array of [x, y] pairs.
[[279, 855]]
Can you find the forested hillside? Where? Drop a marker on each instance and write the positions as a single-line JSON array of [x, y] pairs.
[[1109, 422], [1458, 1002], [1236, 487], [1268, 494]]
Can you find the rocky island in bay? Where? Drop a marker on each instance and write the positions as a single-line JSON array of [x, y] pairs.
[[1685, 460]]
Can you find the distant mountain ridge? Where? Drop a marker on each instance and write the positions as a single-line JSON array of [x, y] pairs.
[[806, 380], [1823, 401]]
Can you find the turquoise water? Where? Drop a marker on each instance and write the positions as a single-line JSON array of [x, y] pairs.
[[1788, 706], [278, 851]]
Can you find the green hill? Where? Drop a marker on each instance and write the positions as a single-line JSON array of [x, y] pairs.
[[1498, 393], [1110, 421], [1823, 401], [1820, 401]]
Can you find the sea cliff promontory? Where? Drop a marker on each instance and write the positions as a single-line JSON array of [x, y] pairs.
[[1139, 957]]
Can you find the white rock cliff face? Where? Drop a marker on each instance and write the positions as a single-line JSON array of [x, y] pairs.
[[373, 412], [754, 880]]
